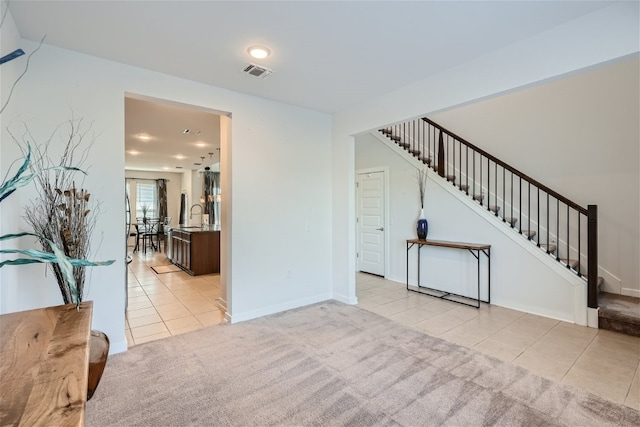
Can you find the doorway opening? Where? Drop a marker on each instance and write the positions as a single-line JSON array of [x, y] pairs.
[[175, 180]]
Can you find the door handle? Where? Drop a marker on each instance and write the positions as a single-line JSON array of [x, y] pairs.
[[380, 229]]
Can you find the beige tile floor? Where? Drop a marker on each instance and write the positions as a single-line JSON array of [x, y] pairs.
[[161, 305], [602, 362]]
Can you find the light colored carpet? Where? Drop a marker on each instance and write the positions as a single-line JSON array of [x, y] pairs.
[[331, 364], [161, 269]]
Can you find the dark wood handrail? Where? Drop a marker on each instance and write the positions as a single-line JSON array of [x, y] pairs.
[[510, 168]]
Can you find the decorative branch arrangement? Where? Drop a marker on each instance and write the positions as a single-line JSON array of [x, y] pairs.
[[62, 213], [60, 216], [421, 177]]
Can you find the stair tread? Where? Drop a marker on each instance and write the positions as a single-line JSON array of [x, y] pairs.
[[511, 220], [620, 313], [622, 303], [549, 247], [573, 263], [529, 233]]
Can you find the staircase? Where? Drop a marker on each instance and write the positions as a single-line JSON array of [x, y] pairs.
[[564, 230]]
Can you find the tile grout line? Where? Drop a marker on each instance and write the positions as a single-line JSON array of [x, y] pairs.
[[579, 356], [499, 330], [636, 374]]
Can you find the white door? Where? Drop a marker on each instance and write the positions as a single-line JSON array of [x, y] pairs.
[[371, 233]]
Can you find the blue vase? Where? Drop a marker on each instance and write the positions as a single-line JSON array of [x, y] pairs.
[[422, 226]]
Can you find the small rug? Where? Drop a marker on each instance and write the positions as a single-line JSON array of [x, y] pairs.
[[161, 269]]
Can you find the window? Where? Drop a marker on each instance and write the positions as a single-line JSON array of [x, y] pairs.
[[146, 195]]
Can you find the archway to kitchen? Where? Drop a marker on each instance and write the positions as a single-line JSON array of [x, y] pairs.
[[176, 279]]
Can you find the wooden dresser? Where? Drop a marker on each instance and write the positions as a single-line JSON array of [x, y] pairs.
[[44, 362]]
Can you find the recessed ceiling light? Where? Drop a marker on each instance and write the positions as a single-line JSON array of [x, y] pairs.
[[259, 52], [133, 152], [201, 144], [143, 137], [180, 157]]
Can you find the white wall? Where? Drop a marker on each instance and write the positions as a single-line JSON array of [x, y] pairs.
[[580, 136], [279, 163], [519, 279], [593, 39]]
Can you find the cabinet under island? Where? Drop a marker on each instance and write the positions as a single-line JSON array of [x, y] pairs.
[[195, 249]]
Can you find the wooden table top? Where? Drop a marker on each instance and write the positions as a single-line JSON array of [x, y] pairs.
[[447, 244], [44, 363]]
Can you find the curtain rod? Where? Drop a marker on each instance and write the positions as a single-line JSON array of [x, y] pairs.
[[146, 179]]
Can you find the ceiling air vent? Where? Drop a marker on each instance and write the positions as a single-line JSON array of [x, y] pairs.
[[256, 70]]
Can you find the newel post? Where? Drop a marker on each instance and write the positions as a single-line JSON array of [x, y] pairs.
[[592, 256], [440, 155]]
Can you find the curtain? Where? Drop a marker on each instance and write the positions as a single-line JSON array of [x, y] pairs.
[[183, 209], [211, 190], [162, 199]]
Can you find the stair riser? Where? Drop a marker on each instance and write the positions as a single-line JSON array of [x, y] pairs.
[[619, 326]]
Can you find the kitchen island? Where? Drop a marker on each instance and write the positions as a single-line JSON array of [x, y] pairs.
[[195, 249]]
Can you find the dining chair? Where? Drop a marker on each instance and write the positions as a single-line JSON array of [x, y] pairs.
[[135, 234], [151, 232]]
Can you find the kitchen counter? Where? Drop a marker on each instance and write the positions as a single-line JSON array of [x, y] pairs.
[[195, 228], [195, 249]]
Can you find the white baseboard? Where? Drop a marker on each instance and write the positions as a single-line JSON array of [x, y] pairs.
[[221, 303], [345, 299], [630, 292], [592, 317], [253, 314]]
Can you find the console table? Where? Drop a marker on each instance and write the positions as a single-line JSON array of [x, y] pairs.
[[475, 248], [44, 363]]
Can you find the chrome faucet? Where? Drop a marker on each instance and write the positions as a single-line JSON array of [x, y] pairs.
[[191, 210]]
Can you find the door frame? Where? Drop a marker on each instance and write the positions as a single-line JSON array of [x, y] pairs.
[[385, 171]]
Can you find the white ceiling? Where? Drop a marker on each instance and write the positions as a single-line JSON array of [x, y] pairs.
[[168, 148], [326, 55]]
